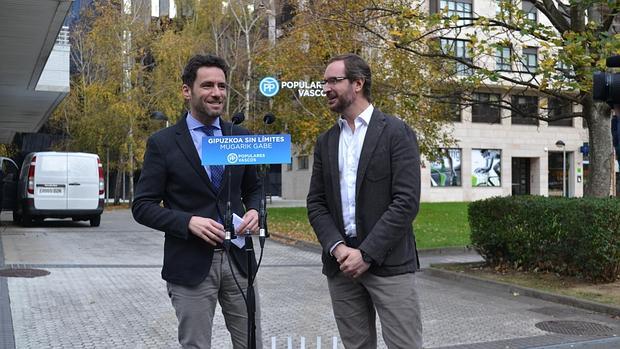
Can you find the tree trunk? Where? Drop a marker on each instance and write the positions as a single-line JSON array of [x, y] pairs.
[[119, 181], [599, 133]]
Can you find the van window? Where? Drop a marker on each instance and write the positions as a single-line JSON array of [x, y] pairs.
[[82, 166], [51, 164]]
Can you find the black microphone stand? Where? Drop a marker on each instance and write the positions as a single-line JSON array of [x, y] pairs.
[[229, 227], [249, 250], [251, 298], [263, 172]]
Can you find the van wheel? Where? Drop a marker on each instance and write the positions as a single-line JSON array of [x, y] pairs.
[[17, 218], [95, 220], [26, 221]]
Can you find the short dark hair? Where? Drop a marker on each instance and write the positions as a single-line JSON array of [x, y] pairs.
[[199, 61], [355, 67]]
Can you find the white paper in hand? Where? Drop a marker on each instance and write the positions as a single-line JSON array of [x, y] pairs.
[[240, 240]]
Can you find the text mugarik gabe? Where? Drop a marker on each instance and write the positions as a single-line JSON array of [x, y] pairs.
[[246, 149]]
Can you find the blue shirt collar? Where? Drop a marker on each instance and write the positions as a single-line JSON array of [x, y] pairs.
[[194, 124]]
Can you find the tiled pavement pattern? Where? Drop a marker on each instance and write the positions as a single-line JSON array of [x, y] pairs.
[[105, 291]]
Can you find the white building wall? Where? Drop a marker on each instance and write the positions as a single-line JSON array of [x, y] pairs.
[[523, 141], [295, 182]]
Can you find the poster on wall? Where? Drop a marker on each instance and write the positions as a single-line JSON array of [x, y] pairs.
[[446, 172], [486, 165]]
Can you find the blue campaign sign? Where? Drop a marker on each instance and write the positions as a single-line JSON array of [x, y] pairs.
[[246, 150]]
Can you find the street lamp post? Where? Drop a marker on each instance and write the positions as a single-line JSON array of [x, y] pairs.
[[157, 115], [562, 145]]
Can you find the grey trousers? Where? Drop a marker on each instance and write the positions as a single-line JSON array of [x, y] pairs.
[[195, 307], [393, 297]]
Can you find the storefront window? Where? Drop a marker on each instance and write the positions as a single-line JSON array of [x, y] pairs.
[[556, 173]]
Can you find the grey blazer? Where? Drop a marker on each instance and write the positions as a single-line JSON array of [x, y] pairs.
[[387, 196]]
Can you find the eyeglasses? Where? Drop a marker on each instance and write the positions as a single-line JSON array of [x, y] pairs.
[[333, 80]]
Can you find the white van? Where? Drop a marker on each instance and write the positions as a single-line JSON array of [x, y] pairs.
[[60, 185]]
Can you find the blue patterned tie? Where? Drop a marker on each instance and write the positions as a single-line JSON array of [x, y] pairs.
[[217, 171]]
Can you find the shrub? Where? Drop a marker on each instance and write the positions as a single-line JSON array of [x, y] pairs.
[[577, 236]]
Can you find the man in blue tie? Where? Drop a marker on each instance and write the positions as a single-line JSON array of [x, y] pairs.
[[176, 194]]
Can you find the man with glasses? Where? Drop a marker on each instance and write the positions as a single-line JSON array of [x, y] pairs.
[[364, 195]]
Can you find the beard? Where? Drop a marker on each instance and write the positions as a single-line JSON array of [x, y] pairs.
[[202, 108], [343, 101]]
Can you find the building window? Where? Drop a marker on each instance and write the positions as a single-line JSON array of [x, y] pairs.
[[448, 104], [559, 108], [501, 12], [503, 59], [486, 166], [524, 108], [446, 170], [454, 107], [457, 48], [485, 108], [530, 59], [461, 8], [302, 162], [530, 11], [558, 167]]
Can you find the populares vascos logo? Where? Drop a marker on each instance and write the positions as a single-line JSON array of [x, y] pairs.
[[270, 87], [232, 158]]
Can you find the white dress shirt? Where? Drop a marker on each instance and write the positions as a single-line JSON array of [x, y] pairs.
[[349, 149]]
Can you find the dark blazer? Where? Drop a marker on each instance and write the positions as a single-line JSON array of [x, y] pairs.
[[387, 196], [172, 174]]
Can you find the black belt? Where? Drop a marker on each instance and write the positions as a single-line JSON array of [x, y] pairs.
[[352, 241]]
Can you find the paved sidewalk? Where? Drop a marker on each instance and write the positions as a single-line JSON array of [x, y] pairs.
[[104, 290]]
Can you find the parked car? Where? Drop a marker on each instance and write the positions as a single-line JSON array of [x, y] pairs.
[[9, 175], [60, 185]]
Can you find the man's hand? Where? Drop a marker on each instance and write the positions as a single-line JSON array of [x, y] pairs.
[[250, 221], [351, 262], [341, 252], [207, 229]]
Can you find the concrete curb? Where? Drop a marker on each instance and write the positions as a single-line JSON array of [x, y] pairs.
[[7, 337], [524, 291], [315, 246], [306, 245], [446, 251]]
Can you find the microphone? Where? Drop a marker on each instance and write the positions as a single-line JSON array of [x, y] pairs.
[[268, 119], [612, 62], [236, 119], [229, 227]]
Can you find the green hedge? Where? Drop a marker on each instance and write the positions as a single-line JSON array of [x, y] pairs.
[[578, 237]]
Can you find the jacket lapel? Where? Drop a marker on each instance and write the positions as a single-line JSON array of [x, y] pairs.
[[375, 128], [186, 144], [333, 142]]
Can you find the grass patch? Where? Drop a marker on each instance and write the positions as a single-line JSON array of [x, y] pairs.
[[437, 224], [442, 224], [569, 286]]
